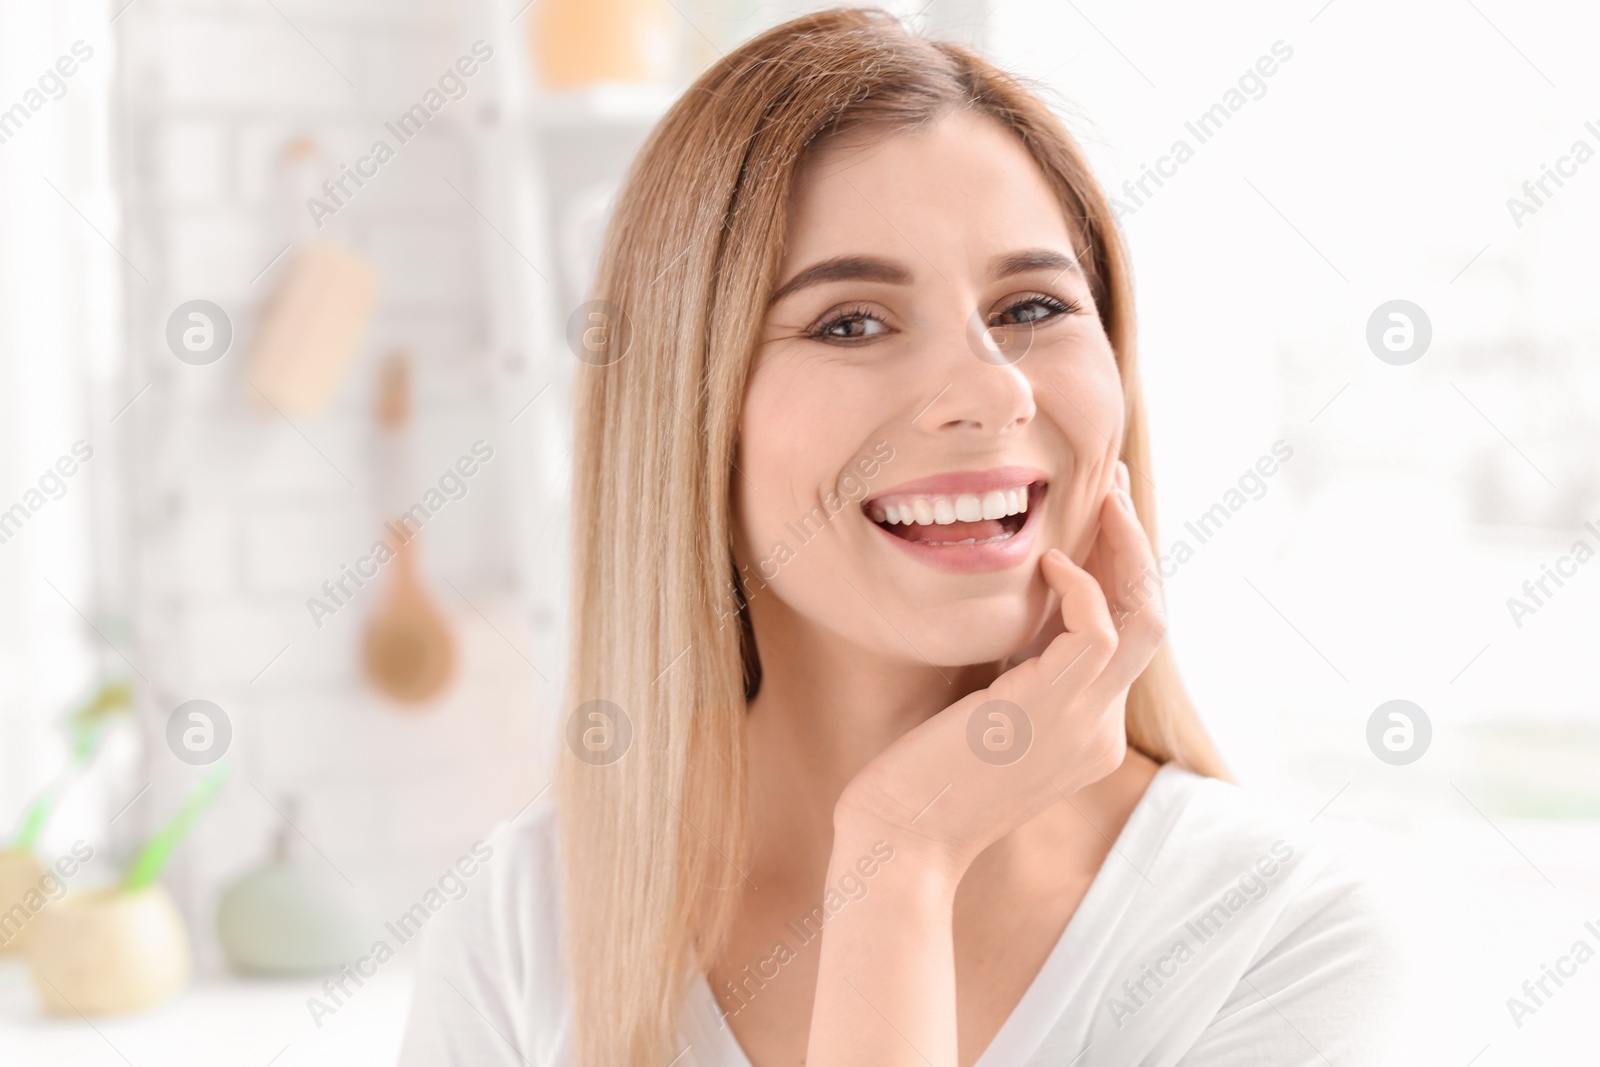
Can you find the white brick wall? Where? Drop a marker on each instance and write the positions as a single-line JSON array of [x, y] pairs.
[[238, 519]]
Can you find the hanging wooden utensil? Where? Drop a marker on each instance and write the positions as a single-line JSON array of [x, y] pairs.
[[407, 650], [311, 327]]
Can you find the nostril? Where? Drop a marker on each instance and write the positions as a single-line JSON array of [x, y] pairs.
[[987, 402], [979, 425], [962, 424]]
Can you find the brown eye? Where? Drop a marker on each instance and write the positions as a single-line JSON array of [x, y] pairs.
[[1031, 311], [856, 325]]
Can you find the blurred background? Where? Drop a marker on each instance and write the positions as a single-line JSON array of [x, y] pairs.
[[284, 290]]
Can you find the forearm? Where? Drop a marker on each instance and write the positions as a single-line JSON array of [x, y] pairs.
[[886, 992]]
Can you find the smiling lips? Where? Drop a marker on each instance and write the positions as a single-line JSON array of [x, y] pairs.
[[967, 521]]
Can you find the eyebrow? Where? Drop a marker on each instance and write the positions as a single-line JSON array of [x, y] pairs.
[[845, 269], [1034, 259], [869, 269]]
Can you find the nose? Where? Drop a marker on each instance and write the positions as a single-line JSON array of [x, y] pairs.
[[979, 398]]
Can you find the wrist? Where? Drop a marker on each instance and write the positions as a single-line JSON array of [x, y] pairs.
[[872, 851]]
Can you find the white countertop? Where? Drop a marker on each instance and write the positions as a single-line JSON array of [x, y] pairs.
[[213, 1022]]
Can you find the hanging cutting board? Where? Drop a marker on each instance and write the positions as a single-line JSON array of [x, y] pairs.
[[311, 327]]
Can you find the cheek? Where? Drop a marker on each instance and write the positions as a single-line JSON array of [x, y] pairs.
[[1082, 376], [1083, 401], [794, 439], [812, 445]]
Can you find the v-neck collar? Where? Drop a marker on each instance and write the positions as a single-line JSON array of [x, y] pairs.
[[1118, 881]]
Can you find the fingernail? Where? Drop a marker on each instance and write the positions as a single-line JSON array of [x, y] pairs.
[[1122, 476], [1125, 502]]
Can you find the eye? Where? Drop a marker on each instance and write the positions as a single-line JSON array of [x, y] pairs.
[[1032, 310], [850, 324]]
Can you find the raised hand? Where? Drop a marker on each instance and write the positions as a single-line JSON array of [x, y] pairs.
[[1044, 729]]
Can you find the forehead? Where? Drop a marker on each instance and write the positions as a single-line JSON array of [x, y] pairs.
[[960, 187]]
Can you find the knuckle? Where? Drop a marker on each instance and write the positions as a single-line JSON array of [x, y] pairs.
[[1109, 753], [1155, 625], [1104, 639]]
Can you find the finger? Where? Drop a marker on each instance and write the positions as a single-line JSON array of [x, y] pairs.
[[1097, 562], [1126, 558], [1048, 631], [1091, 637], [1135, 591]]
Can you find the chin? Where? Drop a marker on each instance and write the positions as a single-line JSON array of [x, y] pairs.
[[967, 634]]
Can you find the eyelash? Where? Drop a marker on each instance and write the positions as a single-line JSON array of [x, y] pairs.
[[820, 331], [1056, 306]]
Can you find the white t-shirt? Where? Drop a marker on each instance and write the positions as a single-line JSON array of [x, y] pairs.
[[1218, 933]]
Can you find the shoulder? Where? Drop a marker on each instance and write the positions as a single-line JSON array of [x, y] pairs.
[[1319, 964], [490, 984], [512, 907], [1205, 827], [1208, 836]]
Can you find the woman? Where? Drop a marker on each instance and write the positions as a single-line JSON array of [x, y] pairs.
[[875, 754]]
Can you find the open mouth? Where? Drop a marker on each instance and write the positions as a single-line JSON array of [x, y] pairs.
[[946, 520]]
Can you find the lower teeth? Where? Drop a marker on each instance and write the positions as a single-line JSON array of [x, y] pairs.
[[969, 541]]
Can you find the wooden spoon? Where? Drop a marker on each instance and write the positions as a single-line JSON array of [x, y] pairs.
[[407, 650], [408, 653]]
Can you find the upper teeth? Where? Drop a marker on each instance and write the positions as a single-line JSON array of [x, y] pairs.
[[944, 510]]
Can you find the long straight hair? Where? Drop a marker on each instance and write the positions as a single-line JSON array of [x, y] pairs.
[[652, 843]]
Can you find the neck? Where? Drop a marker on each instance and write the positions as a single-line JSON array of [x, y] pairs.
[[826, 707]]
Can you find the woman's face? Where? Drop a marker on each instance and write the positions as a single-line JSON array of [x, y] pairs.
[[934, 404]]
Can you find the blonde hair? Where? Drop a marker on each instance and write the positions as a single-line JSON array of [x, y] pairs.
[[652, 844]]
